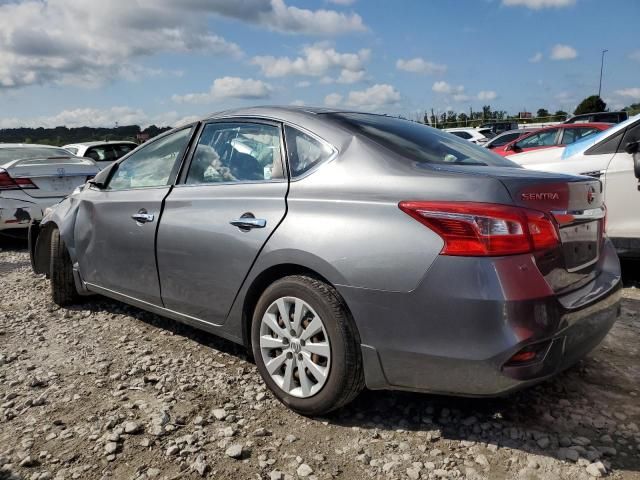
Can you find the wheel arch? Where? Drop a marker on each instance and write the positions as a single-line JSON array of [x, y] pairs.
[[41, 254], [267, 277]]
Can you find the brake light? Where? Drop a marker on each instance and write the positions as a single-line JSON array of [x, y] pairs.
[[485, 229], [9, 183]]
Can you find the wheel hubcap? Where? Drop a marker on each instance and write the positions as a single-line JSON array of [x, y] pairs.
[[295, 347]]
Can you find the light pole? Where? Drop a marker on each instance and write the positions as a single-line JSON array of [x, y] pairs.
[[601, 67]]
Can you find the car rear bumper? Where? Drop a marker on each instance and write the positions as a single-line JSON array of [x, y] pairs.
[[456, 333], [18, 213]]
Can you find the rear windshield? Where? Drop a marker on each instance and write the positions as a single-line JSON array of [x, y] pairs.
[[19, 153], [419, 142]]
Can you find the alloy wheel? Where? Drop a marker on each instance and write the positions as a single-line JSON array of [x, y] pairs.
[[295, 347]]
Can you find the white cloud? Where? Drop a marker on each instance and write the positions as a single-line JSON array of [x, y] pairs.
[[537, 57], [486, 95], [375, 97], [319, 22], [88, 43], [333, 100], [633, 93], [298, 103], [444, 87], [563, 52], [303, 84], [420, 65], [343, 2], [635, 55], [228, 87], [539, 4], [347, 76], [95, 117], [317, 60]]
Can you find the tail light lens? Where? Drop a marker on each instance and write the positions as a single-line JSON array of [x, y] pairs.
[[485, 229], [9, 183]]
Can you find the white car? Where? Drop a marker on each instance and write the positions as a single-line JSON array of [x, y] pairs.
[[34, 177], [103, 153], [613, 157], [474, 135]]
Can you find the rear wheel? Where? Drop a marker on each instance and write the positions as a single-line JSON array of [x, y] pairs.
[[305, 346], [63, 287]]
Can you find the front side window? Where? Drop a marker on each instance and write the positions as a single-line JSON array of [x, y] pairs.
[[304, 151], [233, 152], [464, 135], [542, 139], [151, 166]]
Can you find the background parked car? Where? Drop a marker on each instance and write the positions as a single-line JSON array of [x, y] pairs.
[[103, 153], [612, 156], [499, 127], [333, 259], [507, 137], [34, 177], [551, 137], [474, 135], [606, 117]]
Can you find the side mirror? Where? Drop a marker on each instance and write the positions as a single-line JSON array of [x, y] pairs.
[[102, 178], [632, 147]]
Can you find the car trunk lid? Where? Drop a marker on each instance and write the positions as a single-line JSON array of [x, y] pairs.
[[51, 176]]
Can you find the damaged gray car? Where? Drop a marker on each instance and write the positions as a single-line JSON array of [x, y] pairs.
[[345, 250]]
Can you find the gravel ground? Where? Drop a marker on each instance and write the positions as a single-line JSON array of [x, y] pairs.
[[103, 390]]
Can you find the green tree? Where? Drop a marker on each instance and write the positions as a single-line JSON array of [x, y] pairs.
[[542, 112], [560, 115], [634, 107], [590, 104]]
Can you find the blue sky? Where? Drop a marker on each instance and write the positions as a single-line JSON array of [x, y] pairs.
[[75, 62]]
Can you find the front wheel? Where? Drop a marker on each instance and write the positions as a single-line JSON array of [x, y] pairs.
[[63, 287], [305, 345]]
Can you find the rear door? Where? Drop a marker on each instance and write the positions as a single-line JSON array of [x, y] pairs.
[[115, 227], [217, 219]]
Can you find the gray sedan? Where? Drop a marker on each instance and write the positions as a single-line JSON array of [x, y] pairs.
[[345, 250]]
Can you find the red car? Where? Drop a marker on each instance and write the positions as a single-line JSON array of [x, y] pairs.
[[550, 137]]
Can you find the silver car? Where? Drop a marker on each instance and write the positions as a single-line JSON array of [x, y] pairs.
[[345, 250]]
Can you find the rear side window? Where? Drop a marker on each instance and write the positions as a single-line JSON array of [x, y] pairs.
[[504, 139], [304, 151]]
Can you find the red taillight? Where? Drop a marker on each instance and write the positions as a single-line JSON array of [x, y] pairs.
[[9, 183], [485, 229]]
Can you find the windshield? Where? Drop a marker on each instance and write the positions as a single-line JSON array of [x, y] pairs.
[[419, 142], [20, 153]]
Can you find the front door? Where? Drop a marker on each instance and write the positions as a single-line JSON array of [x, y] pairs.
[[216, 220], [116, 226], [621, 190]]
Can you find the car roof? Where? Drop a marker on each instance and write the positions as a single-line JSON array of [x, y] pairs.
[[96, 143]]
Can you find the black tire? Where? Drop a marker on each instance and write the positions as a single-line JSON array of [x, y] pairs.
[[63, 287], [346, 376]]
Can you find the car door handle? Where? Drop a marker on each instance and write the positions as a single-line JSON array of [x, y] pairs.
[[143, 217], [248, 222]]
